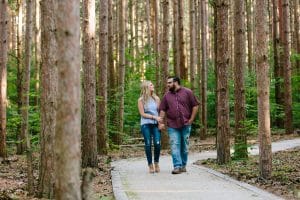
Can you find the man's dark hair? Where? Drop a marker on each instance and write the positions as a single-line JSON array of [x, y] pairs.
[[175, 79]]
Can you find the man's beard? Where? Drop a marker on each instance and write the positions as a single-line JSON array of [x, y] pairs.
[[172, 89]]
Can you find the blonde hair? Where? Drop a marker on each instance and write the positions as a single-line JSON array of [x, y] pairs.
[[146, 93]]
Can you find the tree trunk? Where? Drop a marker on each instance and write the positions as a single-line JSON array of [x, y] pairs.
[[176, 45], [121, 78], [156, 43], [249, 35], [275, 55], [264, 132], [204, 22], [25, 95], [165, 55], [67, 137], [89, 131], [287, 69], [103, 56], [48, 99], [20, 145], [111, 68], [223, 132], [37, 50], [3, 74], [278, 74], [240, 137], [193, 49], [181, 42]]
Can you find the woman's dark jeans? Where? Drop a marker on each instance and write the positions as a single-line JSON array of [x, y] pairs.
[[151, 133]]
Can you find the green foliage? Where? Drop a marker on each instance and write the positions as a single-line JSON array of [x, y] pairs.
[[13, 117]]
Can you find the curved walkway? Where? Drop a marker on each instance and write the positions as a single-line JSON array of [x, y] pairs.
[[131, 180]]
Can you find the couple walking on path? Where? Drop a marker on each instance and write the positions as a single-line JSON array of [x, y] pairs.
[[179, 105]]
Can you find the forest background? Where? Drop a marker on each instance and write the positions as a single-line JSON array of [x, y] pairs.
[[85, 61]]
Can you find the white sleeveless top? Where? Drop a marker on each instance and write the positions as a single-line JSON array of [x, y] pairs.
[[150, 107]]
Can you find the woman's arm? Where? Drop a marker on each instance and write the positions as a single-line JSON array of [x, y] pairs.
[[143, 114]]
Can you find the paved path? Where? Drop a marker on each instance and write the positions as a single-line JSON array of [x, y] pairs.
[[131, 180]]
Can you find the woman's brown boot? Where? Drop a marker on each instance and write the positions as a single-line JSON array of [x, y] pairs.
[[151, 168], [157, 169]]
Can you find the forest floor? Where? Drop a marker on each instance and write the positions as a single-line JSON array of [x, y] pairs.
[[285, 179]]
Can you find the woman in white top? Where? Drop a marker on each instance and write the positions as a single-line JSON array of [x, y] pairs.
[[148, 104]]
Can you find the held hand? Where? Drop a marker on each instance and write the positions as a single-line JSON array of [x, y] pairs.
[[160, 120], [161, 126], [190, 122]]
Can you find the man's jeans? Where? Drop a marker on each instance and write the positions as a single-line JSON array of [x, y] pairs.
[[179, 141], [151, 132]]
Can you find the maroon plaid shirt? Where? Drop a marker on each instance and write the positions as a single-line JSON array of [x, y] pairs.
[[178, 106]]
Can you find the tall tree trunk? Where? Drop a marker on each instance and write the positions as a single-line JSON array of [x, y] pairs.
[[223, 132], [176, 45], [3, 74], [89, 131], [165, 54], [111, 68], [48, 98], [147, 9], [181, 42], [136, 32], [13, 34], [121, 78], [204, 22], [249, 35], [25, 95], [193, 49], [67, 137], [37, 50], [240, 137], [103, 56], [287, 69], [263, 91], [20, 145], [278, 72], [156, 42], [131, 33]]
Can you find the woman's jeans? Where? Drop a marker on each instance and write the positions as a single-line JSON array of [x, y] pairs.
[[151, 133], [179, 141]]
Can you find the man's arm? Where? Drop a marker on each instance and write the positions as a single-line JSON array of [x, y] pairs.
[[162, 115], [193, 115]]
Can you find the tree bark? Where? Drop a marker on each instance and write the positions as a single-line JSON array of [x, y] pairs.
[[89, 131], [165, 55], [20, 145], [288, 119], [103, 56], [263, 91], [223, 131], [176, 50], [48, 98], [156, 43], [67, 137], [37, 50], [3, 74], [193, 49], [121, 78], [204, 22], [240, 137], [181, 42], [249, 35], [279, 74], [25, 96]]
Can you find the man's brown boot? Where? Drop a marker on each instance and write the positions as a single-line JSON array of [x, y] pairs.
[[157, 169], [151, 168]]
